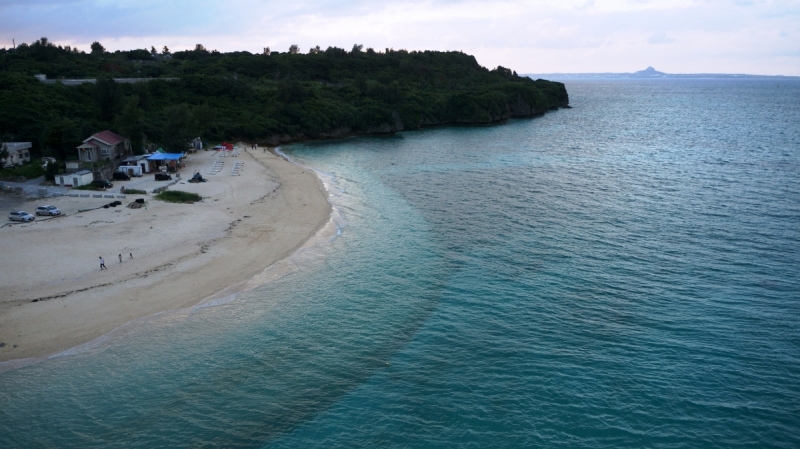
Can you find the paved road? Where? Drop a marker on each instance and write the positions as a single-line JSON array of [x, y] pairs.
[[30, 188], [145, 182]]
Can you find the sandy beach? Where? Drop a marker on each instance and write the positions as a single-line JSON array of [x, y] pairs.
[[54, 296]]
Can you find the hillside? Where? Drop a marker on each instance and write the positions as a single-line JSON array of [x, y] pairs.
[[269, 98]]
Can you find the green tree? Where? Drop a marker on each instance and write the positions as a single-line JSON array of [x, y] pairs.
[[361, 83], [179, 127], [254, 96], [130, 124], [203, 116], [97, 48], [51, 171], [108, 97], [62, 138]]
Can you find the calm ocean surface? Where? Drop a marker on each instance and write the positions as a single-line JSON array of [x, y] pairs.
[[622, 274]]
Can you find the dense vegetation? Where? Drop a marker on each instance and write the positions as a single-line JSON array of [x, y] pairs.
[[178, 196], [267, 98]]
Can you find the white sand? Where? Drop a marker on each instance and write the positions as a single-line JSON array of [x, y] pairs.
[[183, 253]]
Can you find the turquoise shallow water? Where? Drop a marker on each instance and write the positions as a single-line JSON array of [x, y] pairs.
[[621, 274]]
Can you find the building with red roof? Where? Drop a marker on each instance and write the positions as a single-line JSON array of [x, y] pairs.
[[103, 146]]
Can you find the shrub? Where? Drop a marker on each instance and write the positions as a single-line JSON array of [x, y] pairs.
[[30, 170], [86, 187], [135, 192], [51, 171], [177, 196]]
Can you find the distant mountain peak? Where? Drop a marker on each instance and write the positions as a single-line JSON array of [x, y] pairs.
[[649, 71]]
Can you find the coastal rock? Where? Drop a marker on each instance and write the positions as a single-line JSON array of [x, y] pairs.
[[398, 122], [277, 139], [519, 108], [388, 128], [337, 133], [516, 108], [428, 122], [383, 128]]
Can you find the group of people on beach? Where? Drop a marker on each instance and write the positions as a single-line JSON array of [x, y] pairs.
[[103, 262]]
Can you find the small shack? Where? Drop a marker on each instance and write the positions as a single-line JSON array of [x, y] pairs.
[[196, 144], [77, 179], [133, 162], [167, 162]]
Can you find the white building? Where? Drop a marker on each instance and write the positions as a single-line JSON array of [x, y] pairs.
[[77, 179], [135, 161], [18, 152]]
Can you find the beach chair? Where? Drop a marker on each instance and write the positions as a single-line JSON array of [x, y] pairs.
[[237, 168], [216, 168]]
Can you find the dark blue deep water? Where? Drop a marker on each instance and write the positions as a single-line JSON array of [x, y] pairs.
[[625, 273]]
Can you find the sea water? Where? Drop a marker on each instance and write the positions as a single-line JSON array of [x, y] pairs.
[[625, 273]]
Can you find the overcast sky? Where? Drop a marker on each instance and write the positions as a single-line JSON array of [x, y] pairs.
[[536, 36]]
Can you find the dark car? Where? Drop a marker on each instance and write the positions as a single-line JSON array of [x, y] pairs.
[[119, 176], [102, 184], [163, 177]]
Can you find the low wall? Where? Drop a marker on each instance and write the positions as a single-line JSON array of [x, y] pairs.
[[77, 82]]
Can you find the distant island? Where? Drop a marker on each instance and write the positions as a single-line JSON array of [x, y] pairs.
[[55, 96], [650, 72]]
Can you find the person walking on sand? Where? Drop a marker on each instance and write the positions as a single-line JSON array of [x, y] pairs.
[[102, 264], [131, 254], [120, 258]]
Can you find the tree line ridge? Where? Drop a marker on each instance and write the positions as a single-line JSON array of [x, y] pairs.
[[270, 97]]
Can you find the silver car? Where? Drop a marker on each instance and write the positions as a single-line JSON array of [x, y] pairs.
[[20, 215], [48, 210]]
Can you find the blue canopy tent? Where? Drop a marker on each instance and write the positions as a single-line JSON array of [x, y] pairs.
[[165, 157], [167, 161]]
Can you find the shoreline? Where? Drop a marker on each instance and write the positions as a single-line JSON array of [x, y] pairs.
[[344, 133], [244, 225]]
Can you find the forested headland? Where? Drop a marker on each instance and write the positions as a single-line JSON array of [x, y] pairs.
[[270, 97]]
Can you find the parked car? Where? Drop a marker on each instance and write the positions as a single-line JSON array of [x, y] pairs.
[[48, 210], [163, 177], [20, 215], [119, 176], [102, 184]]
